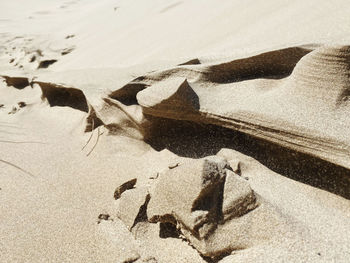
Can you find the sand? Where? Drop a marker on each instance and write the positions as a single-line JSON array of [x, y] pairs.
[[230, 120]]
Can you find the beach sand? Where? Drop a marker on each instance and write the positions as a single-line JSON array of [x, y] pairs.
[[174, 131]]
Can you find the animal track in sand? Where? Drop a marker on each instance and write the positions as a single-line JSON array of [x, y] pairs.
[[46, 63], [29, 52]]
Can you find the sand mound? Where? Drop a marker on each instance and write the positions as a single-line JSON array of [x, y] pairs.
[[298, 79]]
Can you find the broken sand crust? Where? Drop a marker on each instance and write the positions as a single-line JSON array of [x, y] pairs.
[[214, 208]]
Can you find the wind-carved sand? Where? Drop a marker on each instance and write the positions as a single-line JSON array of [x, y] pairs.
[[208, 203], [298, 117], [135, 132]]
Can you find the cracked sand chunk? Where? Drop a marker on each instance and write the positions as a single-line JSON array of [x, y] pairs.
[[189, 194], [200, 197], [238, 197], [132, 206]]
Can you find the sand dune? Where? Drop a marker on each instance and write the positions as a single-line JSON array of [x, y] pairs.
[[174, 131], [286, 105]]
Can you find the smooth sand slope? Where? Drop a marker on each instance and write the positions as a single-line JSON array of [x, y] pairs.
[[174, 131]]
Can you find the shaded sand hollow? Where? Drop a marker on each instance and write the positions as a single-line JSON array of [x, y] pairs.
[[174, 131]]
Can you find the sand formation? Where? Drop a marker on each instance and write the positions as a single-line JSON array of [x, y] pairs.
[[140, 132], [313, 86], [208, 204], [305, 96], [198, 198]]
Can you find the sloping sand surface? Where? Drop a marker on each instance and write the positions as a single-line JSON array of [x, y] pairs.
[[174, 131]]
